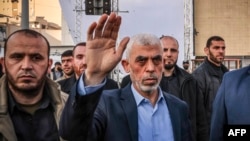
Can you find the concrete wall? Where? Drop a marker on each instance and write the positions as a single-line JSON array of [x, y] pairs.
[[227, 18]]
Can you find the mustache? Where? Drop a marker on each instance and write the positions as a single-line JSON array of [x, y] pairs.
[[26, 74], [167, 59], [151, 76]]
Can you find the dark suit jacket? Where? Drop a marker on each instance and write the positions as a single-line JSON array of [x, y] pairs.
[[191, 94], [115, 117], [232, 102], [67, 84]]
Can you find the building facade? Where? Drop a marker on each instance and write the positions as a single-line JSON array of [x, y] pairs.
[[229, 19]]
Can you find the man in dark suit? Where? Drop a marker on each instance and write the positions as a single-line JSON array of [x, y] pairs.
[[180, 83], [141, 111], [231, 104], [79, 65]]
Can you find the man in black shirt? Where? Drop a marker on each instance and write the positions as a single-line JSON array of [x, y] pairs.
[[210, 73], [180, 83], [31, 103]]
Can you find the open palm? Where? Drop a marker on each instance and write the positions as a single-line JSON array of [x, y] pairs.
[[101, 52]]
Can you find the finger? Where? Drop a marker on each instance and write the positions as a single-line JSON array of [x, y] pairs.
[[122, 46], [91, 31], [100, 25], [115, 28], [109, 25]]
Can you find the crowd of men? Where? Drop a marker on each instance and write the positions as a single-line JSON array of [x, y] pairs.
[[157, 101]]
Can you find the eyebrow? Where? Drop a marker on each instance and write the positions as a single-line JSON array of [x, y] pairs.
[[220, 46], [157, 57], [143, 57], [22, 53]]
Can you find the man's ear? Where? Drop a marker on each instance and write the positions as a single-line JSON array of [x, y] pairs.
[[3, 64], [206, 50], [125, 65], [49, 65]]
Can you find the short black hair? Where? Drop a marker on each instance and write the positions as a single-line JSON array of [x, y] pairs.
[[27, 32], [213, 38], [58, 63], [185, 62], [67, 53], [79, 44]]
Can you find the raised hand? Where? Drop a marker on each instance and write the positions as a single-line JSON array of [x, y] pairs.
[[101, 52]]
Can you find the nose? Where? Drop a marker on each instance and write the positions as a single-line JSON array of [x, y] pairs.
[[65, 63], [84, 63], [150, 66], [167, 53], [26, 63], [84, 60]]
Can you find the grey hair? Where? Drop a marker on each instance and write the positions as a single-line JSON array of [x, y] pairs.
[[143, 39]]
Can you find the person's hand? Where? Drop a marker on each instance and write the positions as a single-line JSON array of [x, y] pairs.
[[101, 52]]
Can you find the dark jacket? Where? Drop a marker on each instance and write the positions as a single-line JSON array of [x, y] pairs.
[[1, 70], [116, 116], [111, 84], [231, 104], [190, 93], [7, 131], [67, 84], [125, 80], [209, 81]]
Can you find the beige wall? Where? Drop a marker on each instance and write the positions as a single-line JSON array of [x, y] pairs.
[[49, 9], [227, 18], [6, 8]]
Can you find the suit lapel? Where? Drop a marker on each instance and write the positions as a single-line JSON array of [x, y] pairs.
[[130, 110], [174, 116]]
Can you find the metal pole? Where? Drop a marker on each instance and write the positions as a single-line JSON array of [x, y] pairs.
[[25, 14]]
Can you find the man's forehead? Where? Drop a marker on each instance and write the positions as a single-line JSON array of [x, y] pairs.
[[20, 36], [170, 44], [67, 57], [146, 47], [80, 47], [148, 55], [25, 35], [217, 42], [25, 49], [19, 41]]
